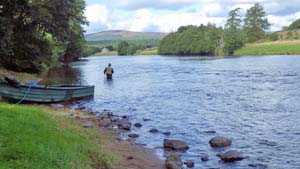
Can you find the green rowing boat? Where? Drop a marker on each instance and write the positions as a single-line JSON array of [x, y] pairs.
[[14, 91]]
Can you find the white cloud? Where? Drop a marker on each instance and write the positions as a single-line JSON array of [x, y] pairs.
[[97, 13], [140, 4], [167, 15]]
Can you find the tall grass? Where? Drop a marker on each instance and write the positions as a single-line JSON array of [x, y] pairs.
[[33, 137], [271, 48]]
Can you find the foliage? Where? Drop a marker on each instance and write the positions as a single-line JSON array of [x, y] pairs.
[[233, 35], [36, 138], [255, 23], [192, 40], [36, 31], [125, 48], [271, 48], [294, 25]]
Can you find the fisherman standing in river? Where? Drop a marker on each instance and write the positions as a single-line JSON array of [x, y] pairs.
[[109, 71]]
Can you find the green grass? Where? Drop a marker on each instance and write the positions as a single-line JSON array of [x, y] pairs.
[[271, 48], [147, 52], [33, 137], [19, 76], [111, 53]]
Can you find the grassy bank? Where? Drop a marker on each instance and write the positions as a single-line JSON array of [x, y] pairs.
[[32, 137], [112, 53], [147, 52], [271, 48], [24, 77]]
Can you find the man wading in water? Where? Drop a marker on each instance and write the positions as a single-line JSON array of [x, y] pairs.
[[109, 71]]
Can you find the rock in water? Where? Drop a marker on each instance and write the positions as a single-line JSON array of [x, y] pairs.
[[88, 125], [153, 131], [189, 163], [204, 158], [133, 135], [173, 161], [167, 133], [231, 156], [175, 145], [138, 125], [124, 124], [220, 142]]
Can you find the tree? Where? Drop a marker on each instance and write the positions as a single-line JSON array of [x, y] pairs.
[[233, 36], [255, 23], [191, 40], [34, 31], [295, 25], [123, 48]]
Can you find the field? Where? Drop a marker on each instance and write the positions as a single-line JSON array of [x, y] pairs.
[[147, 52], [111, 53], [291, 47], [35, 137]]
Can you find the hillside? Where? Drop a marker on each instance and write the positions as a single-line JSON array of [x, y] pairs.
[[113, 37], [123, 35]]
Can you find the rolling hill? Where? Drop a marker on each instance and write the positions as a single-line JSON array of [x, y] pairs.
[[113, 37], [123, 35]]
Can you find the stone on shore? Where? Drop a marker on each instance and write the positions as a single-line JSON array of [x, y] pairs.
[[105, 122], [88, 125], [176, 145], [220, 142], [124, 124], [173, 161], [57, 106], [231, 156], [189, 163]]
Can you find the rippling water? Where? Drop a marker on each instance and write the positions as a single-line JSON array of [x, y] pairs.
[[255, 101]]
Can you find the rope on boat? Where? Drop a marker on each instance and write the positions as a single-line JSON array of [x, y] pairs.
[[26, 94]]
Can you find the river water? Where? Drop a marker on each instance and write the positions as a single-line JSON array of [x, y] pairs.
[[255, 101]]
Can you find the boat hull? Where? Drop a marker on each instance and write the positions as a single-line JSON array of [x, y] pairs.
[[50, 94]]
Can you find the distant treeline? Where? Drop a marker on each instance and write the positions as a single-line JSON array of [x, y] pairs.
[[37, 34], [212, 40], [114, 43]]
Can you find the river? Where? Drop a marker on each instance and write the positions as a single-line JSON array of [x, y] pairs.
[[253, 100]]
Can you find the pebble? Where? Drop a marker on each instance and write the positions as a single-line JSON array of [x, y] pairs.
[[88, 125]]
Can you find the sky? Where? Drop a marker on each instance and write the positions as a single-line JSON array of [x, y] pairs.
[[169, 15]]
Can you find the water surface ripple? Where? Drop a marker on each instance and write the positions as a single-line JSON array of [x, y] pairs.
[[255, 101]]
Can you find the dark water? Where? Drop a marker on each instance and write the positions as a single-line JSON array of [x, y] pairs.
[[255, 101]]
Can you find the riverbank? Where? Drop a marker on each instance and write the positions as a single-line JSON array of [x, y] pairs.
[[291, 47], [23, 77], [54, 138], [139, 52]]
